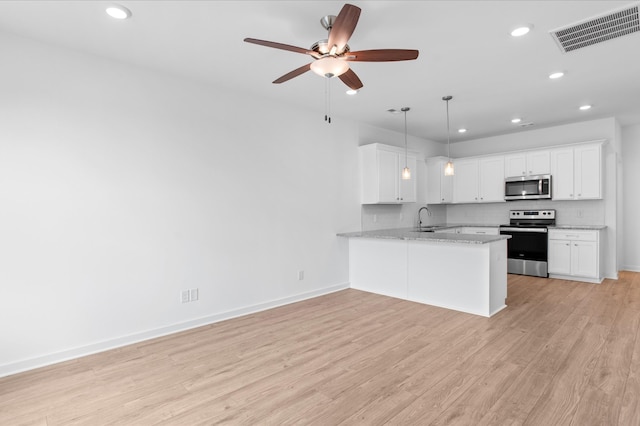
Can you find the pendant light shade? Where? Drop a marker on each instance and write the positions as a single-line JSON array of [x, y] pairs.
[[448, 168], [406, 173]]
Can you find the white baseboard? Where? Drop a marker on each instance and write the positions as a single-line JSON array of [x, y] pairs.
[[632, 268], [42, 361]]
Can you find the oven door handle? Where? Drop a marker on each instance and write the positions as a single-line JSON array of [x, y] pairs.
[[538, 230]]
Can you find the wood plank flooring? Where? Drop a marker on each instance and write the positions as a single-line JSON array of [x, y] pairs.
[[562, 353]]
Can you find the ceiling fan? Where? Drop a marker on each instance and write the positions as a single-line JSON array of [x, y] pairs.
[[332, 56]]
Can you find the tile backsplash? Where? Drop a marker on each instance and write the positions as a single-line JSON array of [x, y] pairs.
[[583, 212], [386, 216]]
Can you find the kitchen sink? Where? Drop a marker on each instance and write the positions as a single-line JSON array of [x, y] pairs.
[[427, 229]]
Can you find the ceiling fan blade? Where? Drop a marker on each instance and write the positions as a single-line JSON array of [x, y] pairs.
[[292, 74], [382, 55], [351, 79], [280, 46], [343, 27]]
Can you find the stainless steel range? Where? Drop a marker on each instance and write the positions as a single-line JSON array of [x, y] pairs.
[[527, 247]]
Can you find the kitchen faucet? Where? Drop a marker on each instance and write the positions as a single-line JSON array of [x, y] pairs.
[[419, 218]]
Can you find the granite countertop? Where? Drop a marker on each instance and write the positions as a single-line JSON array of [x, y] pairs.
[[579, 227], [465, 225], [413, 234]]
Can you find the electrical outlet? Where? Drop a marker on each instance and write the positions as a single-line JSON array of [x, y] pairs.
[[300, 275], [193, 294], [184, 296]]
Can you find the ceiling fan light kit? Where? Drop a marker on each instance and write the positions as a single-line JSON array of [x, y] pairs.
[[329, 67], [331, 56]]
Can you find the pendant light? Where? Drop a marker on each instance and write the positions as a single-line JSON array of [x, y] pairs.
[[448, 168], [406, 173]]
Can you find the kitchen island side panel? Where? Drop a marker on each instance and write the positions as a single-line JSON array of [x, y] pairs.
[[469, 278], [378, 266], [452, 276]]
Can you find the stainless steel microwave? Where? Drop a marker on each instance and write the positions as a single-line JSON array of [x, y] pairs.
[[527, 188]]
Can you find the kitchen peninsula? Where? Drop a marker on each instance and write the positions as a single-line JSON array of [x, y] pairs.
[[463, 272]]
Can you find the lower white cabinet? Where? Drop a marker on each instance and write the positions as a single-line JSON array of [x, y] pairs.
[[574, 255], [475, 230], [480, 230]]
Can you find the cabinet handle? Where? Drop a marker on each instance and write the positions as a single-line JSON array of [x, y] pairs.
[[476, 198], [579, 195], [567, 244], [530, 172], [443, 199]]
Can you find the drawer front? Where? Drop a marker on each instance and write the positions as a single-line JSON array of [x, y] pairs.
[[481, 230], [573, 235]]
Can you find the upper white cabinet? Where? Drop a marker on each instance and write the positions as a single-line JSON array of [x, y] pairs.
[[381, 167], [577, 172], [439, 186], [465, 180], [479, 180], [527, 163]]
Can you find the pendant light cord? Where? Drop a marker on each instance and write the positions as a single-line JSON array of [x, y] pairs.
[[448, 133], [406, 155]]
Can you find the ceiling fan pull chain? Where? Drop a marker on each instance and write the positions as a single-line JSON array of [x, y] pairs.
[[329, 98]]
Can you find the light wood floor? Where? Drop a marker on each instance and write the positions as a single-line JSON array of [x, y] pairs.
[[562, 353]]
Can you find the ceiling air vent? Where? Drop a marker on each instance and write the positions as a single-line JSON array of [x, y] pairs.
[[596, 30]]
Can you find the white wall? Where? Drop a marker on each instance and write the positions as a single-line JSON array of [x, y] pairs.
[[631, 197], [600, 212], [120, 187]]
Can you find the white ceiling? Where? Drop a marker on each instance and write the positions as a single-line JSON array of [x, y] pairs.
[[465, 51]]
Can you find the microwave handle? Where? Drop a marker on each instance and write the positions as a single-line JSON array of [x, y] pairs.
[[540, 187]]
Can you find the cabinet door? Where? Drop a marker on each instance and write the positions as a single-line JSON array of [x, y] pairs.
[[559, 257], [491, 179], [562, 174], [465, 181], [538, 163], [388, 175], [439, 186], [408, 187], [584, 258], [515, 165], [587, 182]]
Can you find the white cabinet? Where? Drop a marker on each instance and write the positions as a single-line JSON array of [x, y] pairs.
[[465, 181], [448, 231], [479, 180], [480, 230], [491, 179], [574, 255], [439, 186], [527, 163], [577, 172], [381, 167]]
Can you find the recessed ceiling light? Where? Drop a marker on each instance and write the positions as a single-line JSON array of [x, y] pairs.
[[522, 30], [118, 12], [516, 120], [556, 74], [585, 107], [352, 92], [462, 130]]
